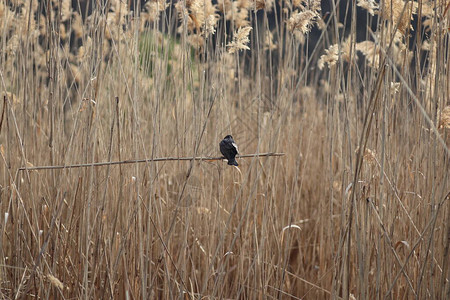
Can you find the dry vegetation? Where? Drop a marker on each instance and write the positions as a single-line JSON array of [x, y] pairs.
[[357, 208]]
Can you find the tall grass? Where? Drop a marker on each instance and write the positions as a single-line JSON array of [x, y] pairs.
[[358, 208]]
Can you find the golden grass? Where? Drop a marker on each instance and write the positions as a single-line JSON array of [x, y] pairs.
[[357, 208]]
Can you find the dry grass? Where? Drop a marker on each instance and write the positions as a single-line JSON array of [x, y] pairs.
[[358, 208]]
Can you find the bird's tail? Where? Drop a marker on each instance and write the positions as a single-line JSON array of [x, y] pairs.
[[233, 162]]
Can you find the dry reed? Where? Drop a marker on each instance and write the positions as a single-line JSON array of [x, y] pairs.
[[358, 208]]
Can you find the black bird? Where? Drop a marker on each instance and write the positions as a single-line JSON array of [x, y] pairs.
[[229, 149]]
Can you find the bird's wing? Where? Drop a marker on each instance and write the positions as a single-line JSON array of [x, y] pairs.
[[228, 147], [235, 146]]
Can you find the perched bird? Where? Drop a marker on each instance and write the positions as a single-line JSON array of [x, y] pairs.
[[229, 149]]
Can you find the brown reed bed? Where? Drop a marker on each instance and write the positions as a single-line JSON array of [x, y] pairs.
[[357, 208]]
